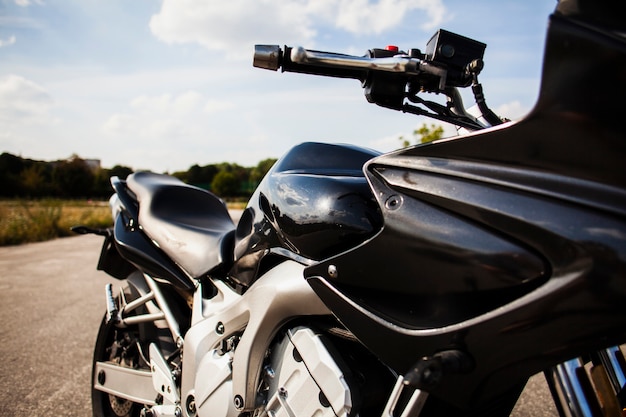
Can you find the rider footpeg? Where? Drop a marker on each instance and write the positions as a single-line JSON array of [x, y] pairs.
[[429, 371], [411, 408], [425, 374]]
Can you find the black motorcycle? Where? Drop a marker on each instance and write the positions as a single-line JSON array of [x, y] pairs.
[[430, 281]]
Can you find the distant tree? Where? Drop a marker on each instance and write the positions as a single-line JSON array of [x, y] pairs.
[[257, 173], [102, 180], [10, 168], [429, 134], [206, 176], [225, 184], [120, 171], [73, 178], [424, 134], [11, 163], [405, 142], [35, 180], [200, 176], [181, 175], [194, 174], [240, 172], [102, 184]]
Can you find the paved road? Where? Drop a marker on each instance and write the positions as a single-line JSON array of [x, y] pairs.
[[51, 304]]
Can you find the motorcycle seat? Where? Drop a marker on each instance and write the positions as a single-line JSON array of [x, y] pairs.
[[191, 225]]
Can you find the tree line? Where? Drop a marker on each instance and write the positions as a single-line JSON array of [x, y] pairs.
[[76, 177], [80, 178]]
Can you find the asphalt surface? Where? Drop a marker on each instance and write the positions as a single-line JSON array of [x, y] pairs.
[[51, 304]]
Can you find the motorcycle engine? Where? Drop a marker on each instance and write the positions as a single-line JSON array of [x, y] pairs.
[[303, 378]]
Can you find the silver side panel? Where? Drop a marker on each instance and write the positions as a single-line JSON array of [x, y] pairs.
[[278, 296]]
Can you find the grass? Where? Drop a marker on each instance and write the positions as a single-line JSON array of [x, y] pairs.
[[23, 221], [236, 204]]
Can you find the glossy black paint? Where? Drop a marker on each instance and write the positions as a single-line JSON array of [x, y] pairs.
[[111, 261], [509, 244], [135, 247], [314, 203], [189, 224]]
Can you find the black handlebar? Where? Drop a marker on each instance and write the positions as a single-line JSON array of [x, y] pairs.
[[390, 77], [271, 57]]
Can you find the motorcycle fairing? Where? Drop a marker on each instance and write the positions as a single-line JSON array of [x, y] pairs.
[[111, 261], [135, 247], [314, 203], [546, 199]]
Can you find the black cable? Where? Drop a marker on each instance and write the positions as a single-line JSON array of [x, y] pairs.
[[487, 113]]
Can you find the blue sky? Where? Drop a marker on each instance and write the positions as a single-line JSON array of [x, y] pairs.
[[165, 84]]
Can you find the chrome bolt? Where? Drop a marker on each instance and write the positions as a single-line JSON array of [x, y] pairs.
[[269, 372], [220, 329], [191, 405], [332, 271], [238, 401], [146, 412], [393, 202], [282, 391]]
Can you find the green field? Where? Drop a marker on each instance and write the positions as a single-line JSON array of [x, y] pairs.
[[23, 221]]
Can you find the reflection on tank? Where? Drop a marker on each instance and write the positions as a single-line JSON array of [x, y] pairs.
[[314, 202]]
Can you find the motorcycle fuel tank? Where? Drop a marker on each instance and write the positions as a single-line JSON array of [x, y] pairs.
[[314, 203]]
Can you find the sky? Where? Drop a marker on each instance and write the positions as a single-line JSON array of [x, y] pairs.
[[165, 84]]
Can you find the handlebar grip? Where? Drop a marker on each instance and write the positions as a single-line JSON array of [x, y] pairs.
[[272, 57], [267, 57]]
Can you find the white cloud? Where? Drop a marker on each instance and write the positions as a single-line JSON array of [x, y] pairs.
[[164, 116], [235, 25], [387, 143], [118, 123], [26, 3], [22, 100], [513, 110], [144, 126], [166, 104], [180, 105], [187, 102], [224, 25], [362, 16], [10, 41], [213, 106]]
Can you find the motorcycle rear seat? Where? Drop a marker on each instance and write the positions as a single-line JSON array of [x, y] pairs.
[[191, 225]]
